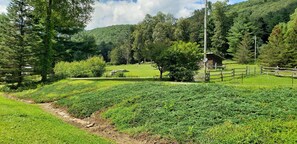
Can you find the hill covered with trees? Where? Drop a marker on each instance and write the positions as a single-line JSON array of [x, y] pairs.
[[111, 34], [228, 27]]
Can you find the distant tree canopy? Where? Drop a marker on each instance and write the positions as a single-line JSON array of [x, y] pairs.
[[281, 49], [227, 26]]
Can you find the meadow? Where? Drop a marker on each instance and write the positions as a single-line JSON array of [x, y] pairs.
[[135, 70], [27, 123]]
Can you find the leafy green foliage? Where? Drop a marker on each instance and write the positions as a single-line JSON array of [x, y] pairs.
[[112, 34], [181, 60], [24, 123], [281, 48], [92, 67], [220, 20]]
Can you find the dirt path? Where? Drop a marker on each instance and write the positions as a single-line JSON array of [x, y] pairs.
[[96, 125], [93, 124]]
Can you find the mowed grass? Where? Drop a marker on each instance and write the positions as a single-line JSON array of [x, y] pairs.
[[263, 81], [233, 65], [24, 123], [136, 70], [193, 113]]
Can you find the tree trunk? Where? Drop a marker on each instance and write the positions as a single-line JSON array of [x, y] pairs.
[[161, 73], [46, 59]]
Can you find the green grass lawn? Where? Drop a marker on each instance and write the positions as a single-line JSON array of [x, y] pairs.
[[24, 123], [136, 70], [189, 113], [263, 81], [232, 64]]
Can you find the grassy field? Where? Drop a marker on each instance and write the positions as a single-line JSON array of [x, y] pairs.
[[24, 123], [263, 81], [206, 113], [136, 70]]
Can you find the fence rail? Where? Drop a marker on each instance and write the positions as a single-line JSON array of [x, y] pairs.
[[236, 73], [280, 72]]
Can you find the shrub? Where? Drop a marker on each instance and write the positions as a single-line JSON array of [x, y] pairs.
[[181, 74], [92, 67], [181, 60]]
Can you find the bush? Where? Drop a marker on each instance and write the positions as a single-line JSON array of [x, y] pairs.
[[181, 60], [181, 74], [92, 67]]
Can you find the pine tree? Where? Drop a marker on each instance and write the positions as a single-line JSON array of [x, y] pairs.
[[241, 26], [19, 39], [290, 53], [272, 53], [244, 54]]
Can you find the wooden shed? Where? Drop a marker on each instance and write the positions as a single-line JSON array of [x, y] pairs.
[[214, 60]]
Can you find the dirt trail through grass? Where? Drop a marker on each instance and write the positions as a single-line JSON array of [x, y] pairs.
[[94, 124]]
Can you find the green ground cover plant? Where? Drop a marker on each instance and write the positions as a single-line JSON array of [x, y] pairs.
[[24, 123], [66, 88], [191, 112]]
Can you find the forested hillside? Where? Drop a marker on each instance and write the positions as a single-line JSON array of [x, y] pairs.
[[111, 34], [266, 13], [228, 26]]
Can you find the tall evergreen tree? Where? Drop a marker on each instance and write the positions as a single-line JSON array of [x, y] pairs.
[[241, 26], [62, 16], [244, 54], [290, 53], [19, 39], [271, 54]]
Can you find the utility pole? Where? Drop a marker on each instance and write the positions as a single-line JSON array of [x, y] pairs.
[[205, 40], [255, 48]]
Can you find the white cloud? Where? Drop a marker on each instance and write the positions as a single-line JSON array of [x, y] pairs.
[[2, 8], [115, 12], [112, 13]]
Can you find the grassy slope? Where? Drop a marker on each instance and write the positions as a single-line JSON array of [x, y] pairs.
[[66, 88], [24, 123], [197, 112]]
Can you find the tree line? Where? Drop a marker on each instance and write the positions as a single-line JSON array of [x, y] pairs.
[[35, 33], [231, 31]]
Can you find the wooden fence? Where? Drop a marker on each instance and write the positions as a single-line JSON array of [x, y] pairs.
[[280, 72], [236, 73]]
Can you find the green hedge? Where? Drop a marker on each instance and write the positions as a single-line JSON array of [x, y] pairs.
[[92, 67]]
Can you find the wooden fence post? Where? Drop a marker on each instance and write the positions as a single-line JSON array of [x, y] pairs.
[[261, 70], [233, 74], [255, 71], [242, 78], [292, 79], [246, 71], [222, 76], [207, 76]]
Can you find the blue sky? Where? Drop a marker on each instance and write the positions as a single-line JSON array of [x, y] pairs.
[[113, 12]]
